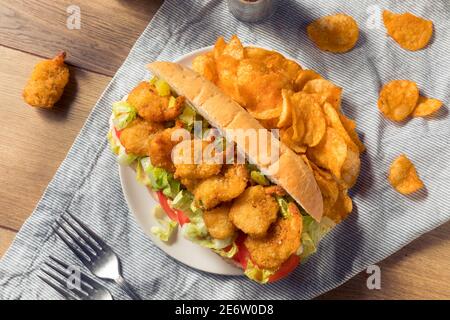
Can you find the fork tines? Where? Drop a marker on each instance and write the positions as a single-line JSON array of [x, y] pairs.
[[80, 239]]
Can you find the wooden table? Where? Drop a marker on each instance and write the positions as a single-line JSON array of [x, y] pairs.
[[34, 142]]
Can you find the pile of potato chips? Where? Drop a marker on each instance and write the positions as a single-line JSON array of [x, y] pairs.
[[304, 106]]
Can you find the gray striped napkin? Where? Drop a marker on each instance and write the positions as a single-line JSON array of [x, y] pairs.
[[87, 183]]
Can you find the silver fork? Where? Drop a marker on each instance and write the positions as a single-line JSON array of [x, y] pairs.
[[95, 254], [87, 288]]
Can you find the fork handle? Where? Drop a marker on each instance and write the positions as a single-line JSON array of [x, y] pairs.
[[127, 288]]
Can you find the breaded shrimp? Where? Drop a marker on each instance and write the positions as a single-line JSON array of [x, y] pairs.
[[47, 82], [218, 223], [160, 149], [254, 211], [136, 136], [282, 240], [224, 187], [199, 164], [151, 106]]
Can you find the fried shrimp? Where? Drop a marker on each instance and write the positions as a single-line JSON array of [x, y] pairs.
[[254, 211], [160, 149], [136, 136], [282, 240], [153, 107], [224, 187], [218, 223], [47, 82], [199, 164]]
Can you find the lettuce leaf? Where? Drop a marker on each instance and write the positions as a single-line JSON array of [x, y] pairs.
[[312, 233], [123, 157], [228, 254], [255, 273], [123, 114], [157, 178], [166, 228]]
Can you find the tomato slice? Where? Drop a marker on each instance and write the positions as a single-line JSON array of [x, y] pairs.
[[242, 255], [173, 214], [118, 132], [286, 268]]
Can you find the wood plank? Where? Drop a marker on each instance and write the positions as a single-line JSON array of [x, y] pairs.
[[418, 271], [108, 29], [6, 238], [34, 141]]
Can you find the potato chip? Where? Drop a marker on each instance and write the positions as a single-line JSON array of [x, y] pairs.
[[307, 111], [304, 76], [227, 80], [351, 168], [334, 121], [219, 47], [341, 209], [205, 65], [409, 31], [398, 99], [330, 153], [331, 92], [403, 176], [350, 127], [337, 33], [327, 185], [426, 106], [234, 48], [285, 119], [286, 138]]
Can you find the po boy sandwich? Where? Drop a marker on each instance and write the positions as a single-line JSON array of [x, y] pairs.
[[229, 183]]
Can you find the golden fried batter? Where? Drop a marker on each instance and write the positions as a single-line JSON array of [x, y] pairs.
[[281, 241], [218, 223], [46, 84], [151, 106], [160, 149], [210, 192], [254, 211], [136, 136], [205, 168]]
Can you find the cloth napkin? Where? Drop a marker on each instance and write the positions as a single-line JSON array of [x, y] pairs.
[[87, 183]]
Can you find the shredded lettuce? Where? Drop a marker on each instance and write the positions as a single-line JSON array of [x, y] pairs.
[[259, 178], [115, 147], [283, 204], [230, 253], [183, 201], [157, 178], [123, 114], [162, 87], [259, 275], [166, 228], [312, 233]]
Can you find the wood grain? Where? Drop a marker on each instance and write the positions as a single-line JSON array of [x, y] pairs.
[[109, 28], [33, 141], [6, 238]]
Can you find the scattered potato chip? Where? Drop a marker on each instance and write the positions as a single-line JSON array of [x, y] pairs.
[[403, 176], [286, 138], [285, 119], [330, 153], [206, 66], [331, 92], [307, 111], [409, 31], [234, 48], [303, 77], [426, 106], [398, 99], [350, 127], [337, 33]]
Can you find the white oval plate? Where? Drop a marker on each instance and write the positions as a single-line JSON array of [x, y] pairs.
[[141, 204]]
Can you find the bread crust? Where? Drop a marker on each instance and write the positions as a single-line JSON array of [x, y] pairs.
[[290, 171]]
